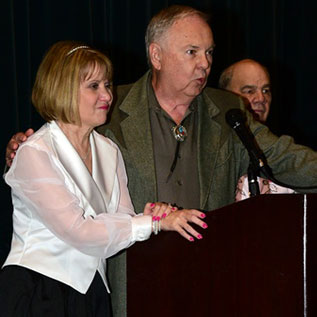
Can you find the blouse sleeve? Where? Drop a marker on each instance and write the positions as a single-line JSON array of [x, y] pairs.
[[39, 185]]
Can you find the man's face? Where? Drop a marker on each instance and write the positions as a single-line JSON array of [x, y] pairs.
[[251, 81], [186, 56]]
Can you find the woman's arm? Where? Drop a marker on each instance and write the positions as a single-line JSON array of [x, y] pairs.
[[39, 183]]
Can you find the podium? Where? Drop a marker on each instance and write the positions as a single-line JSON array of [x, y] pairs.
[[257, 258]]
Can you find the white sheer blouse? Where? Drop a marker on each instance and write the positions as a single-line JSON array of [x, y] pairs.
[[58, 205]]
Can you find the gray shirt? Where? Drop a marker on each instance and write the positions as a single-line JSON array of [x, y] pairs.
[[182, 186]]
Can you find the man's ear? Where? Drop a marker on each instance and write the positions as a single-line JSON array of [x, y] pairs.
[[155, 55]]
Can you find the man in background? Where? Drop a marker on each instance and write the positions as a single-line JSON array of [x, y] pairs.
[[251, 80]]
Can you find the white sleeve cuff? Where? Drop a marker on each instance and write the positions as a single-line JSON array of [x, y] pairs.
[[141, 227]]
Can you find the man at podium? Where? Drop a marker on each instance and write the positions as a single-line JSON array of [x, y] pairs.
[[170, 107]]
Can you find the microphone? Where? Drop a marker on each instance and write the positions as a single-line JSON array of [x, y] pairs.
[[237, 121]]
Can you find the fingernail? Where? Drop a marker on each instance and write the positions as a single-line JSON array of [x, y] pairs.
[[152, 205], [202, 215], [174, 208], [154, 218], [191, 239], [199, 236], [164, 215], [205, 225], [158, 218]]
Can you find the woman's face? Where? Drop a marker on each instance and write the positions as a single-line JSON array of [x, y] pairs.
[[95, 98]]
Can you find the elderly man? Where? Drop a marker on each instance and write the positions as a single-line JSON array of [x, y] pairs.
[[251, 80], [170, 108]]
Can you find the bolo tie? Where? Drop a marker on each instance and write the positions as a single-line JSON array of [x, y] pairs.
[[180, 134]]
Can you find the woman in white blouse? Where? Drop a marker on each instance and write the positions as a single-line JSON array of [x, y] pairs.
[[72, 209]]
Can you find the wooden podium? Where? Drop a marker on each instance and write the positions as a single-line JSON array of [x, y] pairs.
[[257, 258]]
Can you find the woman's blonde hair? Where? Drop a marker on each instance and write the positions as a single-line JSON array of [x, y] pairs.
[[56, 88]]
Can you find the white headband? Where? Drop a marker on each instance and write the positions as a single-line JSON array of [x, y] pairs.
[[75, 49]]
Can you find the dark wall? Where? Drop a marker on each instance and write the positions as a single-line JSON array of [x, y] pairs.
[[281, 34]]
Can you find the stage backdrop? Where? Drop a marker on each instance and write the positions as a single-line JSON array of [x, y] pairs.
[[280, 34]]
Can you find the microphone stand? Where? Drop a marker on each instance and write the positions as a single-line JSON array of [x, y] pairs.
[[237, 121], [253, 181]]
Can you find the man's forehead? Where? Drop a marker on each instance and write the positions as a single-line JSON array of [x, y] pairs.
[[250, 70], [244, 86], [189, 21], [191, 31], [189, 17]]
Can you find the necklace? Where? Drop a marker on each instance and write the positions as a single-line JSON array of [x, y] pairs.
[[179, 132], [86, 156]]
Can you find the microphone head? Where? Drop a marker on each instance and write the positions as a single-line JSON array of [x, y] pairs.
[[235, 117]]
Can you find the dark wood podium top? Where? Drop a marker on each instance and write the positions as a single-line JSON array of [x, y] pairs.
[[255, 259]]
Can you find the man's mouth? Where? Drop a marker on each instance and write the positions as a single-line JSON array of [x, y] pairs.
[[201, 80]]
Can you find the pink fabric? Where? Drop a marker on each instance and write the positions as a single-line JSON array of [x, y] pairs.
[[265, 186]]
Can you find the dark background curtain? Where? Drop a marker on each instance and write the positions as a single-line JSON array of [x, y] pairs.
[[279, 33]]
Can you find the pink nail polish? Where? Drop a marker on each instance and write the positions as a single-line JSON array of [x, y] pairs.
[[174, 208], [152, 205], [199, 236], [205, 225], [164, 215], [202, 215], [154, 218], [158, 218], [191, 239]]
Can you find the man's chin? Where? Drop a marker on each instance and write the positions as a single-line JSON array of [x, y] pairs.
[[193, 90], [194, 94], [256, 116], [197, 90]]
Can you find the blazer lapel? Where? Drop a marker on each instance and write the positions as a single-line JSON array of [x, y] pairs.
[[76, 168], [136, 132], [209, 132]]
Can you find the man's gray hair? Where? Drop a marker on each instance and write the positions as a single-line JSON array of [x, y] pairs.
[[163, 20]]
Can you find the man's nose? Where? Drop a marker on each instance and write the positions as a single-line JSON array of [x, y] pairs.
[[260, 96], [205, 61]]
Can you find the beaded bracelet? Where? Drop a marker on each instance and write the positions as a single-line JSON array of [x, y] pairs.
[[156, 226]]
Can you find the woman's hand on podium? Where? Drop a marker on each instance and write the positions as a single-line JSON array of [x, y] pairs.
[[179, 221]]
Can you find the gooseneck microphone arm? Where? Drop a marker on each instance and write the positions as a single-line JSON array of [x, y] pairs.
[[237, 121]]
